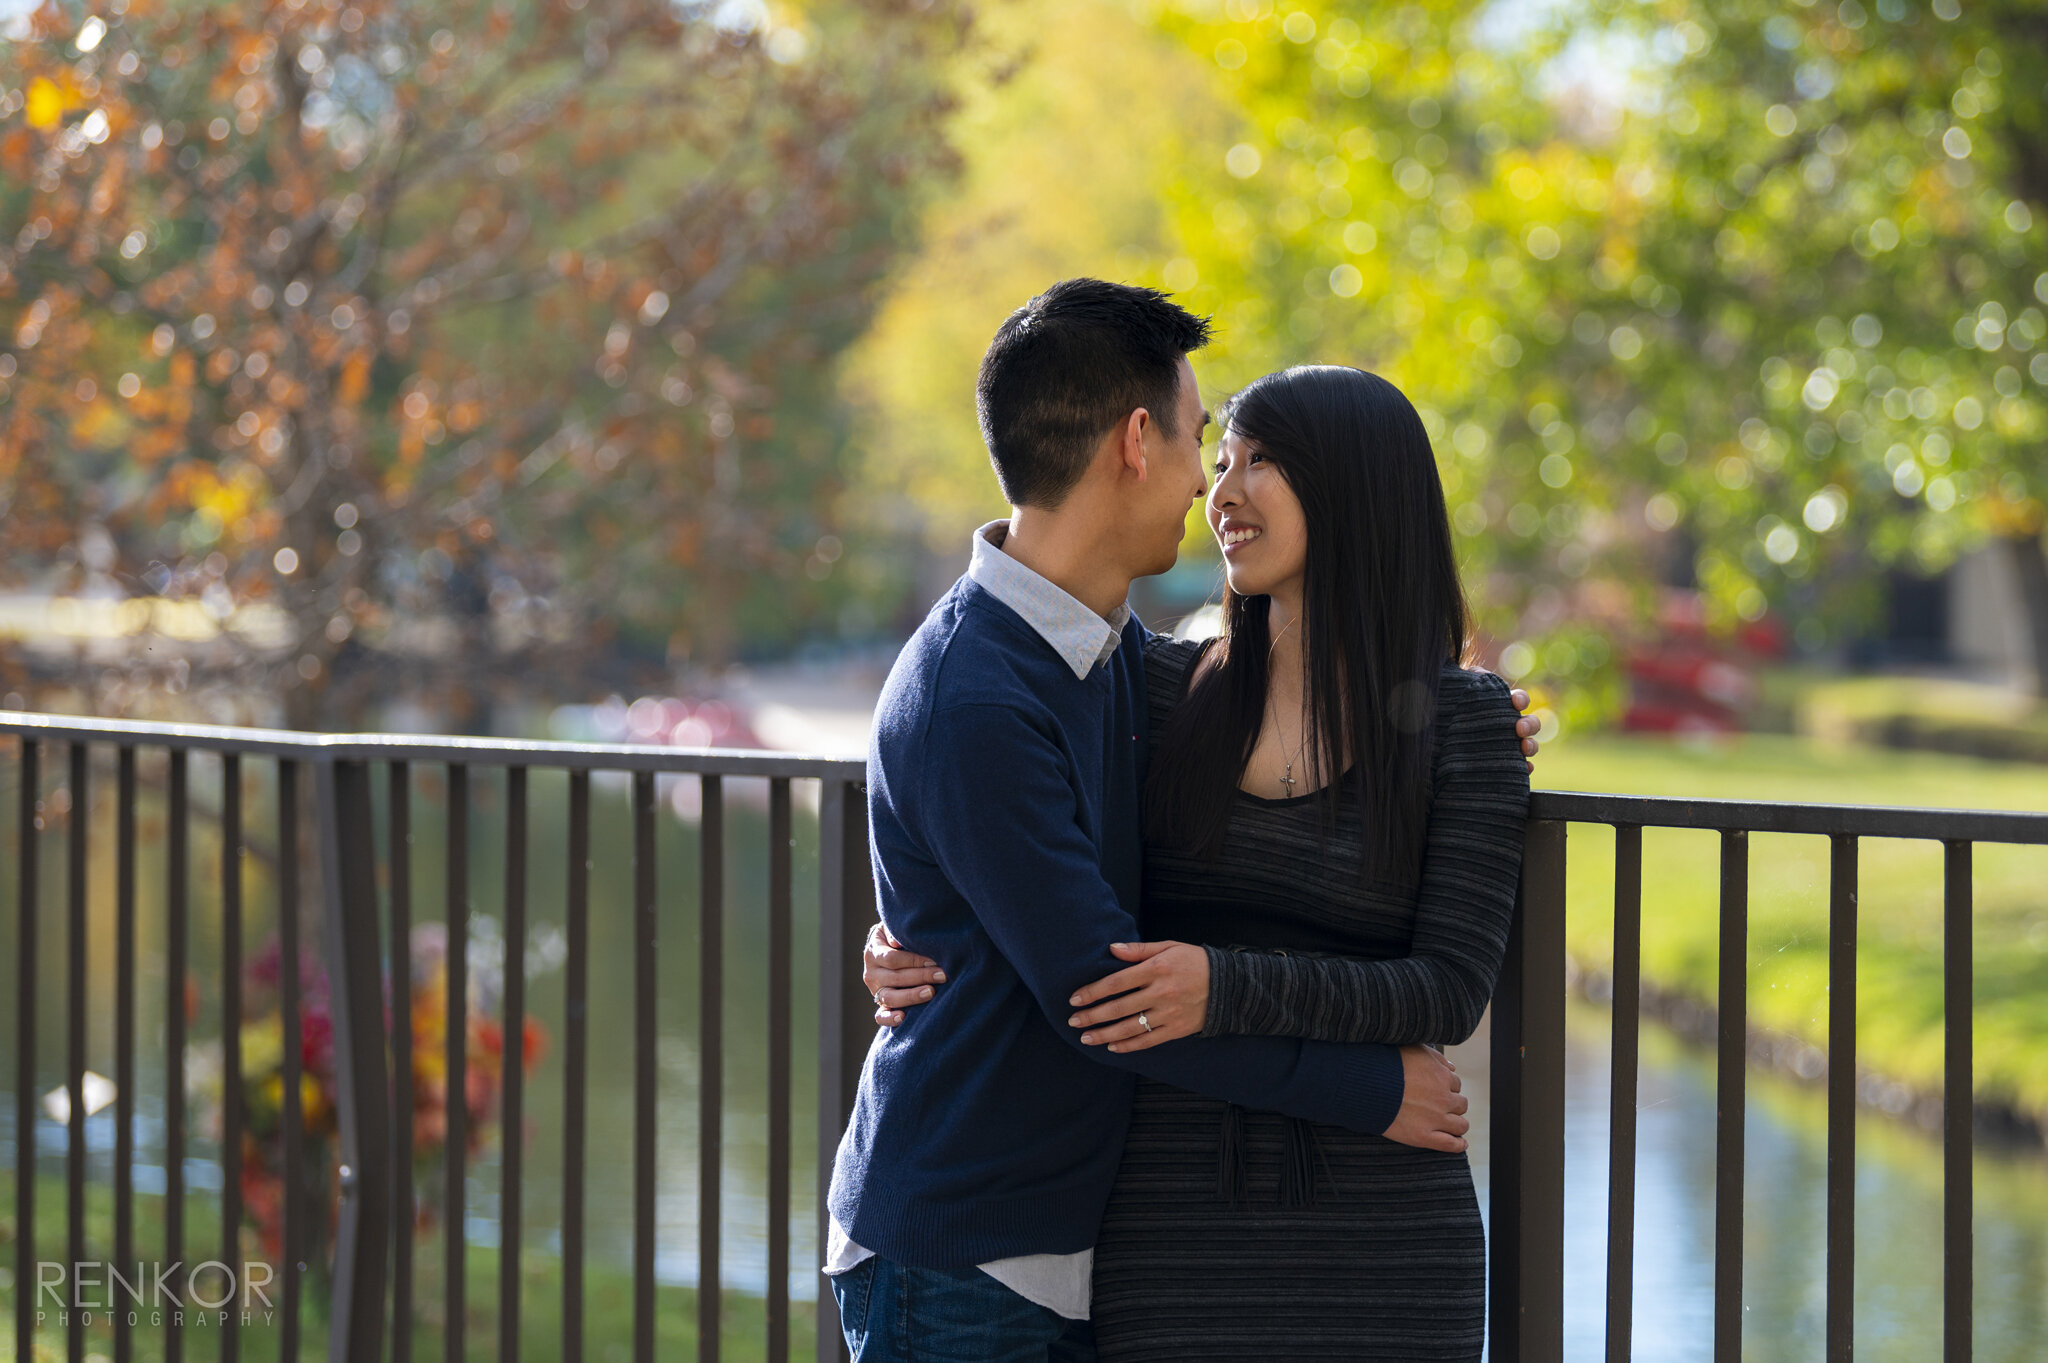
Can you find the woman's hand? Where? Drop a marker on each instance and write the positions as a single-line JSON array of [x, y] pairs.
[[1169, 986], [897, 979], [1526, 726]]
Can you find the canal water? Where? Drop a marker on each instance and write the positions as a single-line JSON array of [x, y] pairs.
[[1898, 1286], [1898, 1217]]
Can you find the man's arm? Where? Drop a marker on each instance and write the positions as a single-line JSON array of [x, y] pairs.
[[1436, 993], [989, 773]]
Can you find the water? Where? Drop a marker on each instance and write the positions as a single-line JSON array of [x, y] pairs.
[[1898, 1218], [1898, 1285], [608, 1073]]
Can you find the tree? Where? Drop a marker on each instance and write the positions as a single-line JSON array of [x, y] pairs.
[[379, 311], [1762, 304]]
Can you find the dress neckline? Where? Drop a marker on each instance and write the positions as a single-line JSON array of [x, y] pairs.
[[1295, 799]]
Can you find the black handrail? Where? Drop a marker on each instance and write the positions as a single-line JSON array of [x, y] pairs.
[[1527, 1107], [1526, 1317], [375, 1174]]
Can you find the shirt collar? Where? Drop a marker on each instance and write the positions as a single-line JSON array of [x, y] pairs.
[[1083, 639]]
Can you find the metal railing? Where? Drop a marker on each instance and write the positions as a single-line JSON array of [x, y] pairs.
[[1526, 1230], [375, 1174], [376, 1157]]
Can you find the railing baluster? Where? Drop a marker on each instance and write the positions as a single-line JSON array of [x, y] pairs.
[[1841, 1239], [511, 1066], [363, 1111], [1542, 1131], [455, 1235], [26, 893], [1504, 1147], [1730, 1095], [292, 1113], [404, 1200], [124, 1041], [711, 1059], [645, 1022], [1958, 1102], [231, 1033], [779, 1094], [1621, 1110], [74, 1031], [176, 908], [846, 894], [575, 1046]]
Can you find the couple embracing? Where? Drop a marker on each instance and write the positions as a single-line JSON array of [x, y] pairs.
[[1171, 930]]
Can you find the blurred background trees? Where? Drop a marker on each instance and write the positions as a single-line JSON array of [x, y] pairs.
[[435, 333], [561, 335], [1742, 297]]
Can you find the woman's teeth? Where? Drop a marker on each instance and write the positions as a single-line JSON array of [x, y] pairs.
[[1239, 536]]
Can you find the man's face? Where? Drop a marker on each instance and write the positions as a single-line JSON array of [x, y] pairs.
[[1173, 480]]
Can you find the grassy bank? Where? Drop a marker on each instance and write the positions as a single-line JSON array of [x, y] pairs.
[[607, 1311], [1899, 957]]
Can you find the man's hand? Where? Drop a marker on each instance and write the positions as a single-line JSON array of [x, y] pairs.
[[1432, 1108], [1526, 726], [896, 978], [1168, 987]]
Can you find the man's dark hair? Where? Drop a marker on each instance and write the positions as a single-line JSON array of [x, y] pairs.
[[1067, 367]]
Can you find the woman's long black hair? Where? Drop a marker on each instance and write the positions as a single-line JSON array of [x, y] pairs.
[[1382, 612]]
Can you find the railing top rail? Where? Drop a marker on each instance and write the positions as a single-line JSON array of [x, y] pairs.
[[1763, 816], [506, 752]]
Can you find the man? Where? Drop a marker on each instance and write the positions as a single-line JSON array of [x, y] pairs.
[[1003, 789]]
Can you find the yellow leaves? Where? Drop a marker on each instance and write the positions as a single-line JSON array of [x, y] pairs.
[[48, 100], [101, 425], [224, 500], [2019, 518], [45, 104]]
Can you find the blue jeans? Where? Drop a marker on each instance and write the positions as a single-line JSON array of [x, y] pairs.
[[895, 1314]]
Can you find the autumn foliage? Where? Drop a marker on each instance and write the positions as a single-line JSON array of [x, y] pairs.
[[379, 312]]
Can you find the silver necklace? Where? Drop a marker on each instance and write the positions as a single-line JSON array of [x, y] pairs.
[[1286, 777]]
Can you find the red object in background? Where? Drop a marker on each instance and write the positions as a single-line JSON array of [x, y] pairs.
[[679, 722], [1683, 679]]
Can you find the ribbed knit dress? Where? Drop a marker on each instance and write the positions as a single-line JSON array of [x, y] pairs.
[[1239, 1235]]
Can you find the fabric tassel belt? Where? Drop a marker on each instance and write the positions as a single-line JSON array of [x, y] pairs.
[[1301, 1161]]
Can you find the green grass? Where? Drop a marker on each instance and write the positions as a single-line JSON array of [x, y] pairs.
[[1901, 711], [1899, 957], [607, 1312]]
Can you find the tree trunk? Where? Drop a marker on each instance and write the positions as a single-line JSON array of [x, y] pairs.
[[2030, 564]]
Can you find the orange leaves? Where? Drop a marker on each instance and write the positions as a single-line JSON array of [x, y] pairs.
[[354, 383]]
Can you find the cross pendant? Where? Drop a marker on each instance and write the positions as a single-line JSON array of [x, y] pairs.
[[1288, 780]]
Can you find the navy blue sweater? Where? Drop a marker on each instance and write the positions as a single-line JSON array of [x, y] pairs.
[[1004, 818]]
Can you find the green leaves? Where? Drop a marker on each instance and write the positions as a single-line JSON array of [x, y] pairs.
[[1736, 296]]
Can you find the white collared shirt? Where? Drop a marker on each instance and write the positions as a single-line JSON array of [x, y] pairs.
[[1082, 638], [1085, 641]]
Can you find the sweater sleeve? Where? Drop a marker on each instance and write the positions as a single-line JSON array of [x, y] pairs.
[[1471, 868], [1002, 822]]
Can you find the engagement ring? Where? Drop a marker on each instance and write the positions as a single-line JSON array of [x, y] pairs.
[[1142, 1022]]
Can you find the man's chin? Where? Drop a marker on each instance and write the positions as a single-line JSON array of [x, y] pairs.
[[1162, 564]]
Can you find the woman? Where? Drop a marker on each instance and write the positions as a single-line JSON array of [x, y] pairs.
[[1334, 816]]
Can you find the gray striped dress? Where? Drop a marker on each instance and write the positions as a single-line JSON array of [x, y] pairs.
[[1244, 1235]]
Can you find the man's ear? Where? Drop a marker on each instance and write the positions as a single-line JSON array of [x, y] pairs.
[[1131, 447]]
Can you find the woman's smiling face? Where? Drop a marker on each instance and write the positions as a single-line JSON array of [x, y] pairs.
[[1256, 518]]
